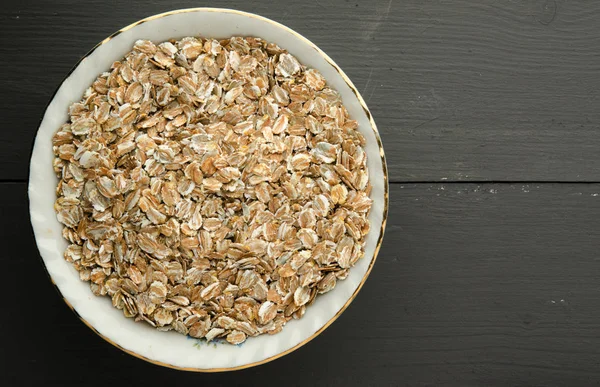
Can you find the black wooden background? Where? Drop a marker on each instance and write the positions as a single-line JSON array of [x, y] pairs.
[[489, 273]]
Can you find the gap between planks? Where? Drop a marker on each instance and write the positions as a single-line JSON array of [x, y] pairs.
[[25, 181], [493, 182]]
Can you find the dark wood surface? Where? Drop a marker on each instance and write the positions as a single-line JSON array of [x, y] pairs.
[[489, 272]]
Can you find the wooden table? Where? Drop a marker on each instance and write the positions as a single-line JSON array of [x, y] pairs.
[[489, 273]]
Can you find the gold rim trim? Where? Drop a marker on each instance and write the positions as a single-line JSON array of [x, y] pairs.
[[385, 194]]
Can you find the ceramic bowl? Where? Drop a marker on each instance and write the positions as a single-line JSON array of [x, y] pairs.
[[171, 349]]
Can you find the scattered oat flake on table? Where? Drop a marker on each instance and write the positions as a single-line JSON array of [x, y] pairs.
[[214, 188]]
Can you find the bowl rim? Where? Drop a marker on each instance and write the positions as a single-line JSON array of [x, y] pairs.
[[363, 105]]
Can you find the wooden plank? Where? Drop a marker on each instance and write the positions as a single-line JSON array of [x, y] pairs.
[[496, 284], [460, 90], [475, 285]]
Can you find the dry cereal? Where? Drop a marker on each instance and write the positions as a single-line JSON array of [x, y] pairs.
[[214, 188]]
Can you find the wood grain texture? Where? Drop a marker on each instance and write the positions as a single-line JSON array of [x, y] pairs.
[[493, 285], [462, 90]]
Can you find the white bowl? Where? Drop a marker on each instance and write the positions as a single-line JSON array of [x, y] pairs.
[[139, 339]]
